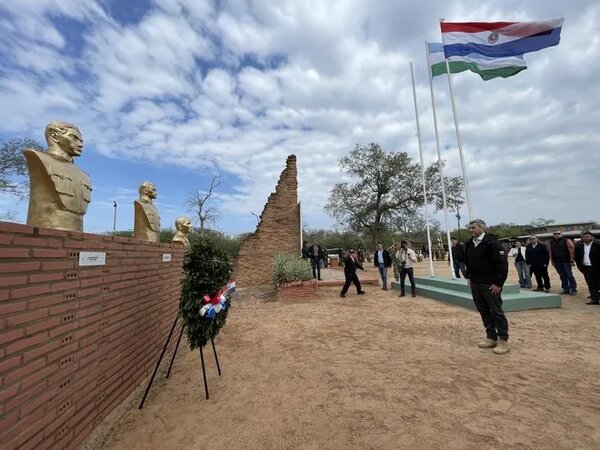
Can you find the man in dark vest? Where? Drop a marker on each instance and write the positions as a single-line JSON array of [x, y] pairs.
[[315, 252], [587, 258], [458, 257], [487, 269], [350, 265], [537, 256], [562, 253]]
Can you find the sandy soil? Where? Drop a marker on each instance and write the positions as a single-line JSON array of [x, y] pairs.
[[376, 372]]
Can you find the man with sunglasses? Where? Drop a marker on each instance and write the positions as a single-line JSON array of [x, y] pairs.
[[487, 269], [562, 253]]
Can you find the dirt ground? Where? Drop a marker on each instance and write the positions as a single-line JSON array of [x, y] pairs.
[[376, 372]]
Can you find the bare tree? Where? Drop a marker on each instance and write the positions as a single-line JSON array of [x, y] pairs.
[[13, 168], [256, 216], [199, 203]]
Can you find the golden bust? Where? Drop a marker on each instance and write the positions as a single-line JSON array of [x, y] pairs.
[[147, 221], [59, 192], [183, 225]]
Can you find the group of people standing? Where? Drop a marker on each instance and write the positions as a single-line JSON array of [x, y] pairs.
[[404, 260], [483, 261], [534, 258]]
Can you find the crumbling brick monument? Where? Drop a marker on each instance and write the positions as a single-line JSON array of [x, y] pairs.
[[278, 231]]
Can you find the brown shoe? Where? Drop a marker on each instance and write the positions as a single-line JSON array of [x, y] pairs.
[[501, 348], [487, 343]]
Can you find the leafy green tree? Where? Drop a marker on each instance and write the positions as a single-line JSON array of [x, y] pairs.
[[336, 239], [503, 230], [166, 234], [385, 188], [229, 244], [412, 226]]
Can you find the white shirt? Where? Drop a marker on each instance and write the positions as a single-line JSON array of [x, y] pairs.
[[408, 257], [477, 240], [513, 251], [380, 257], [586, 254]]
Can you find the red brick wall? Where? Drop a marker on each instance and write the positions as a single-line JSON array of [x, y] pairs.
[[297, 290], [75, 341]]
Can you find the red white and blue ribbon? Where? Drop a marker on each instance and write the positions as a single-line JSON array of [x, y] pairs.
[[214, 305]]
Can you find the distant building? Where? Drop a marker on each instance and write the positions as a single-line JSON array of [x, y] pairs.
[[569, 230], [578, 226]]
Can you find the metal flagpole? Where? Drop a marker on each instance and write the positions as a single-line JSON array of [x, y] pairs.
[[412, 75], [115, 216], [441, 167], [459, 141]]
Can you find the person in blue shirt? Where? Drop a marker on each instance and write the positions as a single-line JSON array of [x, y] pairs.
[[383, 261]]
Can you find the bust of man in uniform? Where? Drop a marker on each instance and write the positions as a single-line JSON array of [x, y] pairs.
[[59, 191], [147, 221], [183, 225]]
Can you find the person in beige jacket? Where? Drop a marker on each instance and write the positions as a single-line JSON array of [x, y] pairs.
[[406, 259]]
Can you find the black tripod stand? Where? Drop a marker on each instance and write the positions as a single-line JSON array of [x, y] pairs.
[[162, 354]]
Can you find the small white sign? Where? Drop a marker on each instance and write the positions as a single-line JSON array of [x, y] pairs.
[[92, 258], [166, 257]]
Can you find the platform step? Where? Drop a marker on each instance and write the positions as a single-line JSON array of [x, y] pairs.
[[519, 301], [459, 284]]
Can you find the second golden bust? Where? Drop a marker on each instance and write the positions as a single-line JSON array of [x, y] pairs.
[[147, 221]]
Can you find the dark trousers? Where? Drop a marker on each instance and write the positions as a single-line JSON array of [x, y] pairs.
[[410, 272], [490, 308], [592, 279], [459, 267], [351, 279], [565, 272], [541, 276], [316, 267]]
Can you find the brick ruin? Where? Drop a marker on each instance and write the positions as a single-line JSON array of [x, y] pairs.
[[278, 231]]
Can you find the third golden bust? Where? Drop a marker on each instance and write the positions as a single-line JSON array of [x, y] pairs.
[[183, 225]]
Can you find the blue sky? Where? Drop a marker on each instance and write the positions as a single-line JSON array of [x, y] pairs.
[[175, 91]]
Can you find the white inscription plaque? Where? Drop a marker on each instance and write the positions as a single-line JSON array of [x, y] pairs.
[[92, 259], [166, 257]]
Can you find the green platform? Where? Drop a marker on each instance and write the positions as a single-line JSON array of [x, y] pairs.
[[458, 292]]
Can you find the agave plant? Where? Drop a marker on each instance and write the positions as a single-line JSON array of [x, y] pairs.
[[288, 268]]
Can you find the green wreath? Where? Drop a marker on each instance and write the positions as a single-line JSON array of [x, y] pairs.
[[207, 269]]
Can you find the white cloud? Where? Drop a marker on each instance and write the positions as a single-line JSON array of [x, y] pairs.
[[240, 86]]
